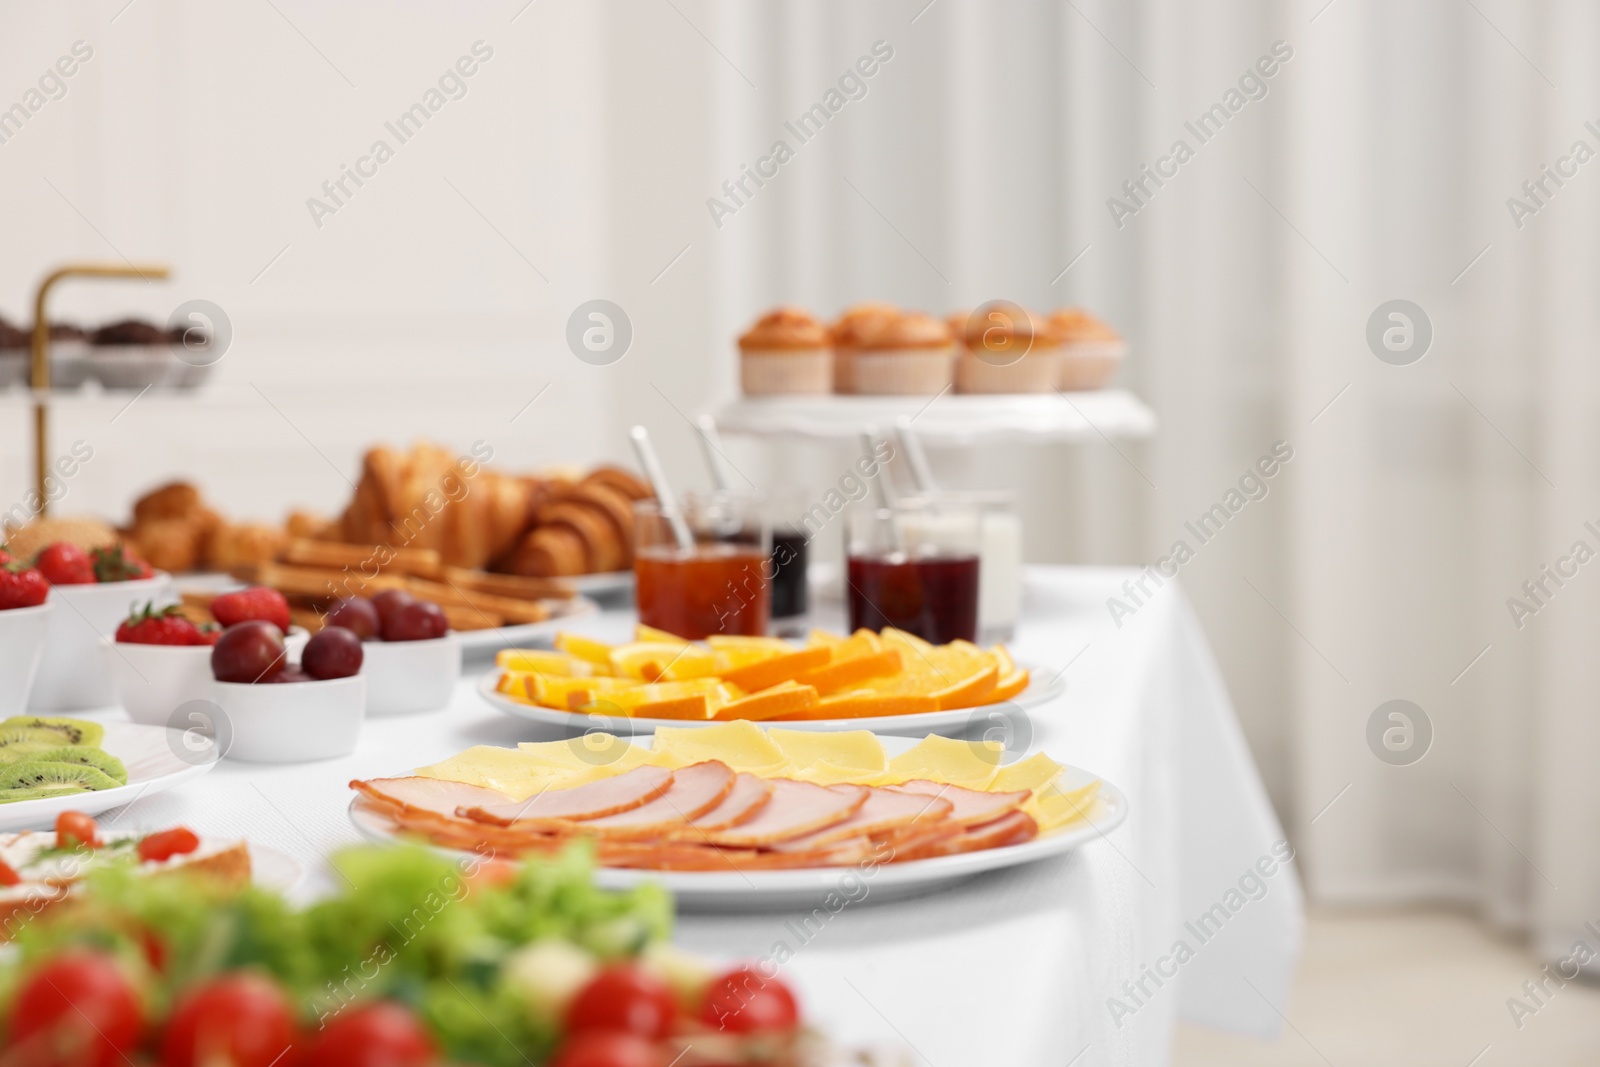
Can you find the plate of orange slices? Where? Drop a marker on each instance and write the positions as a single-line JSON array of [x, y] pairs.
[[887, 682]]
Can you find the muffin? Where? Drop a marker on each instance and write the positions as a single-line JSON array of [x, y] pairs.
[[1090, 350], [905, 354], [846, 334], [1004, 352], [785, 352]]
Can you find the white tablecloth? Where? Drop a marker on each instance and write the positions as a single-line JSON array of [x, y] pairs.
[[1017, 967]]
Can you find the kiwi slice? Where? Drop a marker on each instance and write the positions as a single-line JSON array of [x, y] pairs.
[[31, 774], [59, 731], [98, 758], [39, 792]]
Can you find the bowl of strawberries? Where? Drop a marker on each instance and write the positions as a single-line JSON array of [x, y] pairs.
[[92, 592], [24, 615], [159, 659]]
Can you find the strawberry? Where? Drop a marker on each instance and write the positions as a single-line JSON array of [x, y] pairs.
[[64, 563], [117, 564], [21, 587], [247, 605], [168, 626]]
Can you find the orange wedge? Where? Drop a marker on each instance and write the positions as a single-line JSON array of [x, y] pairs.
[[693, 699], [553, 691], [585, 648], [969, 691], [541, 661], [785, 699], [840, 673], [911, 641], [655, 661], [694, 708], [518, 685], [784, 668], [865, 705], [1009, 687], [823, 637], [860, 643], [641, 632]]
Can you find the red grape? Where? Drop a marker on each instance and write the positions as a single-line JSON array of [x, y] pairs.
[[333, 652], [419, 620], [249, 652], [288, 676], [389, 600], [356, 615]]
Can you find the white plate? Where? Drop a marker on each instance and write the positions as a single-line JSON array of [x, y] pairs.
[[524, 634], [773, 890], [955, 720], [157, 758], [608, 584], [271, 869]]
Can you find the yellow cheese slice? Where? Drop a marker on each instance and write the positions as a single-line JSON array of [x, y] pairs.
[[1053, 808], [1035, 772], [857, 750], [947, 759], [740, 744]]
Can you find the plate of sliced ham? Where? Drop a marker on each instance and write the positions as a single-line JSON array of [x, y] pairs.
[[721, 838]]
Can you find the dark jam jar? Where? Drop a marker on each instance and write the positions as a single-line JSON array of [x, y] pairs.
[[788, 573], [934, 596]]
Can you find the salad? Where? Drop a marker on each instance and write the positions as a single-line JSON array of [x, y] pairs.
[[422, 961]]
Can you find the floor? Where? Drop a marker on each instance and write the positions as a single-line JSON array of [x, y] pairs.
[[1411, 989]]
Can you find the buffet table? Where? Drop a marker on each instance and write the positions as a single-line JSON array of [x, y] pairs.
[[1016, 967]]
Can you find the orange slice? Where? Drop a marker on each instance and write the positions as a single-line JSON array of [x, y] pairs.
[[585, 648], [823, 637], [892, 636], [518, 685], [552, 691], [541, 661], [784, 668], [970, 691], [840, 673], [785, 699], [655, 661], [641, 632], [695, 708], [860, 643], [1009, 687], [866, 705]]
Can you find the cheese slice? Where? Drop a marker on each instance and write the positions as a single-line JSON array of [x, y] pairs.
[[740, 744], [857, 750], [1035, 772], [947, 759], [1054, 808]]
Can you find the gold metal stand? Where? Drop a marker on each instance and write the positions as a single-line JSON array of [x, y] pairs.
[[41, 352]]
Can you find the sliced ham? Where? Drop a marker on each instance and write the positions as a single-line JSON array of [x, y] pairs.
[[695, 790], [1012, 828], [749, 793], [595, 800], [971, 807], [794, 809], [883, 811], [417, 797], [686, 856], [919, 840]]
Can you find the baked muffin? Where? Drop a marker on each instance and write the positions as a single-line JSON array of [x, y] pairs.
[[846, 333], [1000, 353], [785, 352], [1090, 349], [906, 354]]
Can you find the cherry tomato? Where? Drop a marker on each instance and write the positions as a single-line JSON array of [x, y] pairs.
[[241, 1019], [8, 876], [74, 827], [742, 1001], [75, 1011], [168, 843], [607, 1048], [380, 1034], [626, 998]]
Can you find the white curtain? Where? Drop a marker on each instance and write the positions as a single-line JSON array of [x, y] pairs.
[[1376, 166]]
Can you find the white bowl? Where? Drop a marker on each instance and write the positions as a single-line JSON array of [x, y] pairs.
[[291, 722], [407, 677], [73, 674], [22, 633], [153, 681]]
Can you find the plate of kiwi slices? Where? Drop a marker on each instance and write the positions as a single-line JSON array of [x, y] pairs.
[[50, 765]]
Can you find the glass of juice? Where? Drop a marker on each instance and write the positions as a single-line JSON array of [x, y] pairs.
[[999, 558], [914, 566], [790, 553], [720, 583]]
